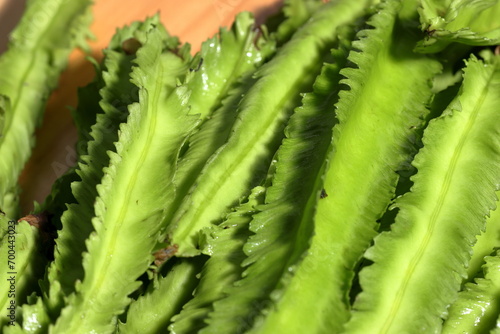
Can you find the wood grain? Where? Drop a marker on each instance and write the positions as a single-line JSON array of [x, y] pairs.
[[192, 20]]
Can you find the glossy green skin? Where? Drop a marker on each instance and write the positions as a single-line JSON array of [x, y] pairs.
[[459, 21], [152, 312], [152, 136], [114, 85], [283, 226], [224, 76], [420, 264], [284, 285], [224, 243], [486, 243], [216, 92], [374, 138], [129, 206], [224, 59], [78, 198], [478, 305], [37, 53], [235, 168]]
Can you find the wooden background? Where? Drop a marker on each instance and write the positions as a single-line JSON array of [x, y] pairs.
[[192, 20]]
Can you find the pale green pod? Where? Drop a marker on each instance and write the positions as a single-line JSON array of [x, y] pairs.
[[478, 305], [242, 162], [130, 198], [378, 121], [37, 53], [419, 265], [467, 22]]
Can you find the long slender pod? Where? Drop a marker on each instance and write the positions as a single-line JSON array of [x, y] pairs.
[[244, 41], [216, 92], [221, 269], [108, 95], [75, 225], [211, 135], [242, 161], [203, 99], [33, 316], [374, 138], [478, 306], [151, 313], [438, 220], [37, 53], [487, 242], [130, 196], [283, 225], [224, 244], [115, 94]]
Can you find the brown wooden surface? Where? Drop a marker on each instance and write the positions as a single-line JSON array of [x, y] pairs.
[[192, 20]]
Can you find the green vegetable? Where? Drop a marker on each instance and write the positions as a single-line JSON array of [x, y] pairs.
[[477, 307], [373, 139], [152, 312], [76, 220], [283, 225], [153, 133], [441, 215], [459, 21], [215, 95], [38, 52], [487, 242], [225, 245], [336, 170], [296, 13], [255, 136]]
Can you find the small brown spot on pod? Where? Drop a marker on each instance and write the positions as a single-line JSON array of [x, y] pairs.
[[39, 220], [162, 255]]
